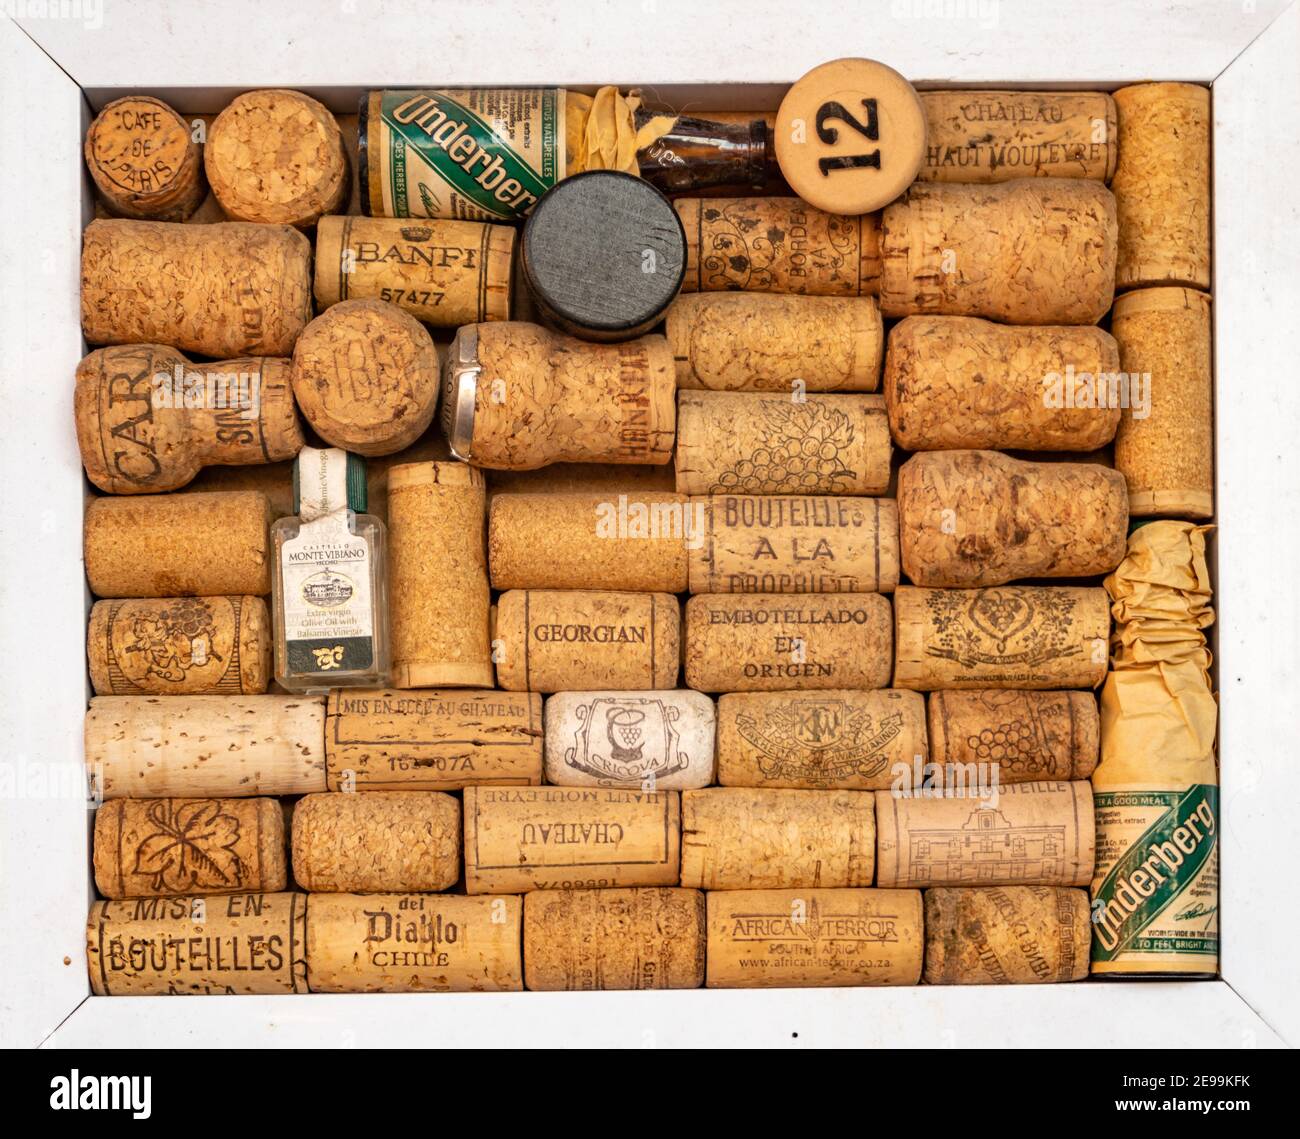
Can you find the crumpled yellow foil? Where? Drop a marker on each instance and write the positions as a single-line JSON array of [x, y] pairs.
[[600, 133]]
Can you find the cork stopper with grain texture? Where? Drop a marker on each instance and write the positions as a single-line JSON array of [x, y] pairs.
[[379, 842], [1165, 451], [761, 342], [972, 518], [1162, 185], [366, 377], [607, 479], [225, 289], [145, 161], [742, 838], [438, 595], [956, 382], [742, 443], [147, 848], [584, 940], [161, 545], [277, 157]]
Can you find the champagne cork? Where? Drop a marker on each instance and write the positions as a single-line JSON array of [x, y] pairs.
[[778, 245], [438, 592], [431, 739], [145, 161], [813, 938], [738, 443], [365, 375], [1006, 935], [565, 838], [973, 518], [148, 419], [413, 943], [758, 342], [379, 842], [553, 640], [654, 741], [589, 940], [741, 838], [1162, 185], [222, 290], [277, 157], [823, 741], [793, 544], [444, 273], [151, 747], [994, 136], [178, 545], [1167, 454], [518, 397], [633, 542], [149, 848], [761, 643], [1028, 736], [226, 945], [1020, 636], [1032, 251], [191, 646], [958, 382], [1033, 834]]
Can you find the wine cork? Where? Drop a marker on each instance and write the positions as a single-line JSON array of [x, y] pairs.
[[553, 641], [833, 740], [566, 838], [192, 646], [605, 479], [957, 382], [793, 544], [613, 939], [148, 419], [1020, 636], [778, 245], [1032, 834], [1006, 935], [379, 842], [277, 157], [994, 136], [274, 480], [1162, 185], [813, 938], [177, 545], [654, 741], [365, 375], [741, 838], [152, 747], [633, 542], [226, 945], [222, 290], [181, 847], [972, 518], [431, 739], [438, 592], [444, 273], [757, 342], [1028, 736], [760, 643], [1032, 251], [738, 443], [1165, 451], [413, 943], [145, 161]]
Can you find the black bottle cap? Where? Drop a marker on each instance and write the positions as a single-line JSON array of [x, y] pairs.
[[603, 255]]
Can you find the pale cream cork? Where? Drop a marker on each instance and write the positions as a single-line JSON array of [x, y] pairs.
[[145, 160]]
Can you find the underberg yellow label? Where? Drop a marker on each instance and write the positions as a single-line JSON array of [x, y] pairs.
[[475, 153]]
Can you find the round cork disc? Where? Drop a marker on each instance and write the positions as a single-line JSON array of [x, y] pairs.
[[278, 157], [365, 375], [144, 161], [850, 136]]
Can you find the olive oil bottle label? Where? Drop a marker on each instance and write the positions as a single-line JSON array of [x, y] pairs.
[[328, 607]]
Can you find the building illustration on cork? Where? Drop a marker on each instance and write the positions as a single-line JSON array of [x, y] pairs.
[[985, 848]]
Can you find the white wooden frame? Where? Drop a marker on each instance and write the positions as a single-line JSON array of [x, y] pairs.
[[61, 58]]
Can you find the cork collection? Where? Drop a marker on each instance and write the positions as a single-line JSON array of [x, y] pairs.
[[542, 539]]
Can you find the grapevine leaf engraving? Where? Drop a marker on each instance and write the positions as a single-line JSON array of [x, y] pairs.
[[192, 847]]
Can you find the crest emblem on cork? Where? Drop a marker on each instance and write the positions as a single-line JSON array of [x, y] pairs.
[[626, 738], [820, 741]]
